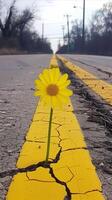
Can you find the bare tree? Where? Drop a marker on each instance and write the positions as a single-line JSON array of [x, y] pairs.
[[6, 26], [16, 30], [15, 22]]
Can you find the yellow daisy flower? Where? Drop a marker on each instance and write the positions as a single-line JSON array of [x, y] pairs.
[[52, 88]]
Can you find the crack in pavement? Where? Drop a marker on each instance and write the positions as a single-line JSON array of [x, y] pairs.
[[34, 166], [84, 148], [21, 170], [59, 136], [68, 196], [32, 179], [43, 164], [47, 122], [36, 141], [107, 169], [78, 193], [78, 148], [30, 168], [100, 115], [99, 112], [47, 165]]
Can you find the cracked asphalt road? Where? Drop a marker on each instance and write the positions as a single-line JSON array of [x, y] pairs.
[[95, 118], [17, 105]]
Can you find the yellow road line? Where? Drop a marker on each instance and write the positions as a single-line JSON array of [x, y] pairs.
[[53, 62], [71, 169], [100, 87]]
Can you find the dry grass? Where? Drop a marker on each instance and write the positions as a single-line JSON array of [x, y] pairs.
[[11, 51]]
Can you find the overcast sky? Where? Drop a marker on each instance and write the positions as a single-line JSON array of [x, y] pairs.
[[51, 13]]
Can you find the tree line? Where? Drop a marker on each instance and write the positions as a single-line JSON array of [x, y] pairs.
[[98, 34], [16, 30]]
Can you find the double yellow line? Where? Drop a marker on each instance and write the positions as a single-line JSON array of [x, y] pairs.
[[70, 173], [100, 87]]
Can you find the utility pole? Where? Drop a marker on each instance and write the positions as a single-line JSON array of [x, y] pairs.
[[63, 29], [59, 45], [42, 31], [67, 16], [83, 29]]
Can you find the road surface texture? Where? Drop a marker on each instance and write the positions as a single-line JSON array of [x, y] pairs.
[[64, 173], [100, 66], [94, 115], [17, 105]]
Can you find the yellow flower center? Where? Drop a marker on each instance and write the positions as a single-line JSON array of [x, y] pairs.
[[52, 90]]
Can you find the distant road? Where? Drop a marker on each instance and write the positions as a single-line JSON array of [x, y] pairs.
[[100, 66]]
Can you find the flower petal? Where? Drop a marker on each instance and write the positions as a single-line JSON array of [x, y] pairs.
[[63, 79], [67, 83], [66, 92], [37, 93], [44, 78], [39, 84], [52, 77]]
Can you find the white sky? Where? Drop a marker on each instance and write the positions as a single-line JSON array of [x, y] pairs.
[[51, 13]]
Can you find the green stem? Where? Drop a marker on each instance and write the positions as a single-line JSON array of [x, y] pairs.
[[49, 135]]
